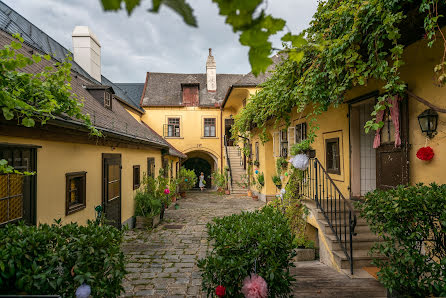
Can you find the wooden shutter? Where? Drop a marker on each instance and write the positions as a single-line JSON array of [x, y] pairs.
[[276, 144], [291, 140]]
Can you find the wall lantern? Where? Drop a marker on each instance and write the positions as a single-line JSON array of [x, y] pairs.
[[231, 117], [428, 121]]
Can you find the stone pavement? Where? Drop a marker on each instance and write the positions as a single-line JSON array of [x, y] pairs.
[[163, 262]]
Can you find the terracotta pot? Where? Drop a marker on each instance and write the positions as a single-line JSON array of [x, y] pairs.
[[255, 198], [249, 193], [174, 199], [227, 192]]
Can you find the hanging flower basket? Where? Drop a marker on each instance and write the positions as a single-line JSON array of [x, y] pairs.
[[425, 153]]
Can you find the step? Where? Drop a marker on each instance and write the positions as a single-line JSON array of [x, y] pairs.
[[361, 258], [359, 242], [361, 227]]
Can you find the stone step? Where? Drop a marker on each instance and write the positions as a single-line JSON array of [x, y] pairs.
[[361, 227], [359, 242], [361, 258]]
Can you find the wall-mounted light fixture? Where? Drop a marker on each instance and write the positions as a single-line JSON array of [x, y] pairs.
[[428, 121], [231, 117]]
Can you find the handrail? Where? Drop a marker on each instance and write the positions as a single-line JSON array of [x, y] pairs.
[[228, 161], [318, 186]]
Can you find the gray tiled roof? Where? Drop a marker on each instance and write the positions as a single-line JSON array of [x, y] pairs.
[[117, 120], [133, 92], [164, 89], [251, 80]]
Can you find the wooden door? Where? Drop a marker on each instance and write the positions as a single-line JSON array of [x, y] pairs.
[[111, 189], [228, 134], [392, 164]]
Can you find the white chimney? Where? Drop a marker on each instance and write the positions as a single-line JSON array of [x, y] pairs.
[[87, 51], [211, 72]]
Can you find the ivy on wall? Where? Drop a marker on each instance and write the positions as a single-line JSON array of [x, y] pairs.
[[347, 44]]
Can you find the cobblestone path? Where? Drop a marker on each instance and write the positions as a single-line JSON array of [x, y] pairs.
[[163, 262]]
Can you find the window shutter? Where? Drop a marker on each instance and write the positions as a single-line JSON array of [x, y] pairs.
[[291, 140], [276, 144]]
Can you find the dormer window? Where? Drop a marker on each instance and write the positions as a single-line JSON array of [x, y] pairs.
[[107, 100], [190, 95]]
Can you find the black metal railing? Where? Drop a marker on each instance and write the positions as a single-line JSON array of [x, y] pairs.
[[228, 161], [340, 214]]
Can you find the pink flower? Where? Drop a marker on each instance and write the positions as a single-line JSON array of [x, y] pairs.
[[167, 191], [255, 286], [220, 291]]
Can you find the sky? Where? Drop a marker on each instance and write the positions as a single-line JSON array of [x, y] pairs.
[[132, 46]]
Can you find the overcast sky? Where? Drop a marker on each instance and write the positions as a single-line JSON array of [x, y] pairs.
[[143, 42]]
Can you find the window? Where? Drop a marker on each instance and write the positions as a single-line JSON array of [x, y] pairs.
[[171, 169], [75, 198], [257, 152], [209, 127], [388, 130], [300, 132], [190, 95], [173, 127], [151, 167], [136, 177], [332, 156], [283, 143], [165, 168], [107, 100]]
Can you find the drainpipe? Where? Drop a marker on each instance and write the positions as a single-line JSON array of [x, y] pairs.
[[221, 138]]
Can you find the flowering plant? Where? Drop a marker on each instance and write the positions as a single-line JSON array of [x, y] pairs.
[[166, 191], [220, 291], [255, 286], [425, 153]]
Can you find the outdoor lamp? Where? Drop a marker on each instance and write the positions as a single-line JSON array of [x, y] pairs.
[[428, 121]]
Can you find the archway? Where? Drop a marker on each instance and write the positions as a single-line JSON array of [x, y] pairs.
[[201, 161]]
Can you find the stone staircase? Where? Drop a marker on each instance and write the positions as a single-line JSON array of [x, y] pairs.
[[236, 159], [362, 241]]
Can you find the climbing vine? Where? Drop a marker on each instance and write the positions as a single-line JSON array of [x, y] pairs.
[[35, 98], [348, 43]]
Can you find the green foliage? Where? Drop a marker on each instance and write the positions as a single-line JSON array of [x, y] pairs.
[[147, 203], [412, 224], [186, 179], [39, 259], [349, 42], [36, 98], [244, 181], [261, 180], [277, 181], [219, 179], [281, 164], [243, 242], [301, 147]]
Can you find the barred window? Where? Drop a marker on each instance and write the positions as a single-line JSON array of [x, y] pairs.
[[136, 177], [75, 198], [332, 156]]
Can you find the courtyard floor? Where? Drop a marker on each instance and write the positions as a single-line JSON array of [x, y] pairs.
[[163, 262]]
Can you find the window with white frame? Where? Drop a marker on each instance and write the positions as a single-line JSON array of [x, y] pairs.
[[209, 127], [300, 132], [283, 143], [173, 127]]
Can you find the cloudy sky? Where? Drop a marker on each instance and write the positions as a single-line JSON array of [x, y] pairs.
[[143, 42]]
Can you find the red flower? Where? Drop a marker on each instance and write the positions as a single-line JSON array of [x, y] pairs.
[[425, 153], [220, 291]]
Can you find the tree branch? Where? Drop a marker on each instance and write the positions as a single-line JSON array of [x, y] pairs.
[[425, 102]]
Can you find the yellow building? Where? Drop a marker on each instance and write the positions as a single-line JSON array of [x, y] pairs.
[[349, 162], [75, 172]]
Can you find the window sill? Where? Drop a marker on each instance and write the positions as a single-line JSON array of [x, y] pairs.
[[75, 209], [173, 137], [210, 137]]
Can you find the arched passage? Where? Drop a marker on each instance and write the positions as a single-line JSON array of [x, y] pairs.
[[201, 161]]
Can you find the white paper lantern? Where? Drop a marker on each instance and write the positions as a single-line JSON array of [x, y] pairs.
[[300, 161]]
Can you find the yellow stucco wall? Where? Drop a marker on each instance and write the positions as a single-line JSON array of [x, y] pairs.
[[132, 112], [55, 159], [191, 130]]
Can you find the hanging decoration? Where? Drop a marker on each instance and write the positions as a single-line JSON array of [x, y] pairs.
[[83, 291], [300, 161], [256, 171], [425, 153], [220, 291], [286, 174], [255, 286]]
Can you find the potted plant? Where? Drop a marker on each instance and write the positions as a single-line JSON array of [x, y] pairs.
[[303, 147], [277, 182], [305, 250], [186, 180], [281, 164], [244, 183], [256, 163], [220, 181], [147, 210]]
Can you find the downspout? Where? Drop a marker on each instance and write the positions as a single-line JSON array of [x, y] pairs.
[[221, 139]]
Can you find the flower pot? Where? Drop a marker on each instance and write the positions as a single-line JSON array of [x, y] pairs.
[[249, 193], [174, 199], [305, 254], [311, 153], [143, 222], [227, 192], [183, 194], [255, 197]]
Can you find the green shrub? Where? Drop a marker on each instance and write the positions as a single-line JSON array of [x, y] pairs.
[[260, 239], [186, 179], [412, 224], [39, 260], [301, 147], [146, 204], [277, 181], [281, 164]]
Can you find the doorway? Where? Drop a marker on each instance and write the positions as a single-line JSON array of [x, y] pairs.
[[111, 188], [199, 165], [228, 135]]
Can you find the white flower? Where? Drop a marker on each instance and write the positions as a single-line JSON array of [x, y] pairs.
[[83, 291], [300, 162], [283, 191]]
